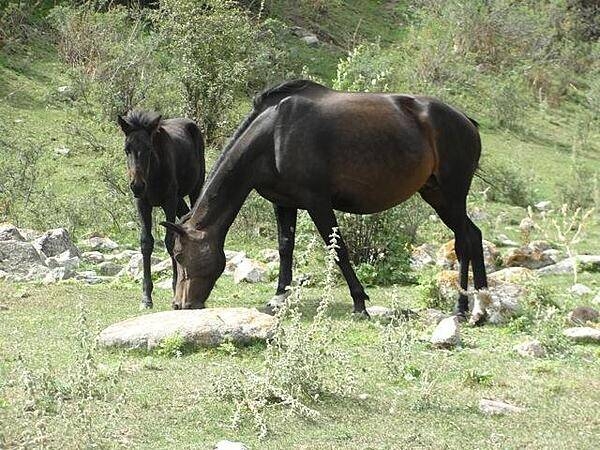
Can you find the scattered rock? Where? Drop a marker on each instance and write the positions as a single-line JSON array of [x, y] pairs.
[[232, 260], [588, 262], [54, 242], [446, 256], [583, 334], [533, 256], [531, 349], [19, 258], [109, 268], [100, 243], [58, 274], [121, 257], [363, 397], [250, 272], [62, 150], [200, 327], [269, 255], [63, 260], [422, 256], [66, 92], [135, 266], [381, 313], [166, 284], [583, 314], [526, 226], [446, 334], [9, 232], [165, 265], [495, 407], [90, 277], [93, 257], [311, 40], [543, 205], [580, 289], [230, 445], [511, 275], [4, 308]]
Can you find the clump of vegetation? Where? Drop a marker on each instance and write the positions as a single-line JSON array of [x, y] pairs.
[[172, 346], [303, 362], [506, 184]]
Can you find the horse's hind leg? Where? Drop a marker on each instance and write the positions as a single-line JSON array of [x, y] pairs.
[[286, 234], [482, 298], [325, 220], [453, 214]]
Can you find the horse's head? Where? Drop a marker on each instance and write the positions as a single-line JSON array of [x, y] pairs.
[[200, 261], [139, 151]]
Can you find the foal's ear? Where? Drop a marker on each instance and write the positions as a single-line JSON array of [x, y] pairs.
[[153, 126], [125, 126], [174, 227]]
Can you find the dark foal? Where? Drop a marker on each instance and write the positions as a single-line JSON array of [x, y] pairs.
[[305, 146], [165, 162]]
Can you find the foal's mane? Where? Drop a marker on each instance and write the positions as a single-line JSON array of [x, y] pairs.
[[140, 119]]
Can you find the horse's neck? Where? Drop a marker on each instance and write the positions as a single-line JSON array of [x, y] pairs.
[[227, 187]]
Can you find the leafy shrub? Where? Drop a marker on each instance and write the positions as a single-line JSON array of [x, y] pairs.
[[378, 243], [507, 184], [16, 26], [214, 48], [172, 346], [363, 70]]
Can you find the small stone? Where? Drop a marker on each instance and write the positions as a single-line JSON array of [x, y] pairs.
[[63, 260], [164, 284], [580, 289], [446, 334], [543, 205], [9, 232], [4, 308], [162, 267], [526, 225], [363, 397], [311, 40], [250, 272], [583, 314], [433, 316], [93, 257], [62, 150], [89, 277], [495, 407], [583, 334], [229, 445], [531, 349], [100, 243], [381, 313], [109, 268]]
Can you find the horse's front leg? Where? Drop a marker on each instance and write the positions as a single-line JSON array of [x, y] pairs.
[[147, 246], [324, 218], [170, 208], [286, 233]]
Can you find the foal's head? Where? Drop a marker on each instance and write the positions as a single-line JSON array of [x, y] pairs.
[[200, 262], [140, 129]]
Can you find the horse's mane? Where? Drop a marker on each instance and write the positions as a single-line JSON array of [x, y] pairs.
[[140, 119]]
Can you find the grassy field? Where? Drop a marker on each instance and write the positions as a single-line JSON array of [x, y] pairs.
[[58, 391]]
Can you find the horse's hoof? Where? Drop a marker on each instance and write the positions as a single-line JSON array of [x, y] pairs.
[[146, 305], [477, 319], [361, 315], [276, 303]]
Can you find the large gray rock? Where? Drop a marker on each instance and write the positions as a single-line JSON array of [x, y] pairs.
[[99, 243], [163, 267], [198, 327], [249, 271], [135, 266], [109, 268], [20, 258], [94, 257], [587, 262], [230, 445], [63, 260], [531, 349], [54, 242], [58, 274], [583, 334], [381, 313], [9, 232]]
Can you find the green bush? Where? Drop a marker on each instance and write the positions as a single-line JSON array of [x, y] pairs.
[[506, 184]]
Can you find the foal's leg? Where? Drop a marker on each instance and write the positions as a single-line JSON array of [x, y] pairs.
[[147, 246], [325, 220], [170, 208], [286, 233]]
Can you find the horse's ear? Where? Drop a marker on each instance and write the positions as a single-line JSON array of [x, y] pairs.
[[153, 126], [125, 126], [174, 227]]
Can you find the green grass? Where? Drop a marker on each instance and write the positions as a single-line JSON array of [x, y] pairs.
[[162, 402]]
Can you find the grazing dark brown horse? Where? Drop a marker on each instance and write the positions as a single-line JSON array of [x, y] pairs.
[[165, 162], [309, 147]]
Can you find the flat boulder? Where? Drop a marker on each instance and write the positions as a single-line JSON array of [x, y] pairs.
[[54, 242], [583, 334], [198, 327], [19, 258]]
